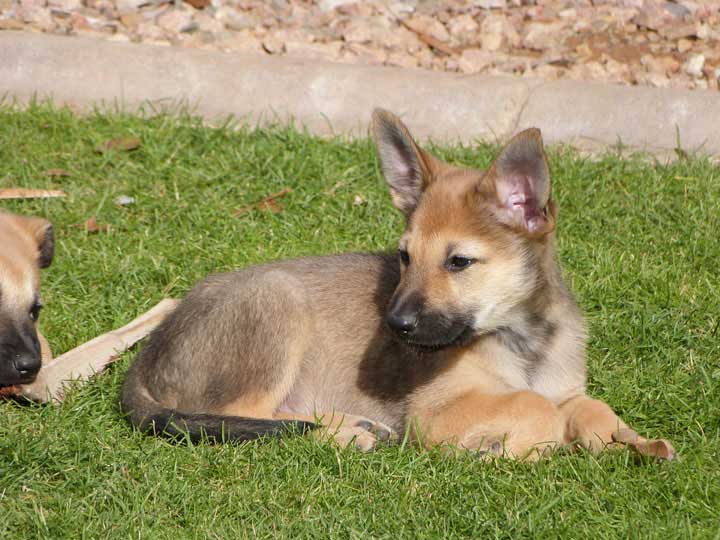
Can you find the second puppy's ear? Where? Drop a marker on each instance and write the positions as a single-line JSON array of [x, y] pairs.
[[407, 168], [41, 232]]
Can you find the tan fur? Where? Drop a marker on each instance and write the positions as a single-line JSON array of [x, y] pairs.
[[486, 350], [22, 239]]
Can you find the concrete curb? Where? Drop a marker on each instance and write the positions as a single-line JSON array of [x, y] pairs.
[[337, 98]]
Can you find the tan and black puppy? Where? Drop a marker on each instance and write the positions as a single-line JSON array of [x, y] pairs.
[[26, 246], [468, 336]]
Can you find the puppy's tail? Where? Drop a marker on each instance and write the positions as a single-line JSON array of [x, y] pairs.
[[146, 414]]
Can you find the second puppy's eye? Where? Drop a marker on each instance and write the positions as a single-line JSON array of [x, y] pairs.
[[35, 310], [404, 257], [458, 262]]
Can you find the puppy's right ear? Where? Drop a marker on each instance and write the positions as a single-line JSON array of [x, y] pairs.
[[41, 231], [407, 168]]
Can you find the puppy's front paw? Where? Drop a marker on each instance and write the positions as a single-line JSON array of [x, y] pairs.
[[354, 437], [380, 430], [658, 448]]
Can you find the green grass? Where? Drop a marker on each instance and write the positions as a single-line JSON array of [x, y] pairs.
[[640, 247]]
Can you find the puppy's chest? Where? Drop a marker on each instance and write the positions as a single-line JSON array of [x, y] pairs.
[[506, 370], [512, 365]]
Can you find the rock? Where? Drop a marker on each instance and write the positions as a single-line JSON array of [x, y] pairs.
[[658, 80], [664, 65], [359, 53], [545, 71], [702, 31], [588, 71], [463, 29], [677, 31], [684, 45], [314, 51], [490, 4], [497, 31], [430, 26], [617, 71], [401, 59], [11, 24], [177, 21], [236, 20], [129, 5], [208, 23], [330, 5], [273, 45], [694, 65], [243, 41], [403, 7], [150, 32], [366, 30], [67, 5], [676, 10], [475, 60], [39, 17], [541, 36]]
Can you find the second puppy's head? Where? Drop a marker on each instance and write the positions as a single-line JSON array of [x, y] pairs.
[[26, 246]]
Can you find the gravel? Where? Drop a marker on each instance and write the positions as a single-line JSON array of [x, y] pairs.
[[631, 42]]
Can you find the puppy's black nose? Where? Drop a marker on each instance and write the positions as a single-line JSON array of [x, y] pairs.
[[27, 363], [404, 322]]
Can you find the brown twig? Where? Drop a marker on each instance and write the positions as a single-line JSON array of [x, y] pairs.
[[266, 203]]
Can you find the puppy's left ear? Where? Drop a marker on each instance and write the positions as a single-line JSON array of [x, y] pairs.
[[519, 182], [407, 168], [41, 231]]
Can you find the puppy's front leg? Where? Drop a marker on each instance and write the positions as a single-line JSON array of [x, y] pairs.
[[592, 424], [519, 424]]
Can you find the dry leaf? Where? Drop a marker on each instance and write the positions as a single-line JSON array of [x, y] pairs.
[[57, 173], [268, 203], [430, 41], [359, 200], [125, 144], [199, 4], [92, 226], [23, 193]]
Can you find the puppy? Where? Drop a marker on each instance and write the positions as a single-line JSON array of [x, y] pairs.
[[468, 336]]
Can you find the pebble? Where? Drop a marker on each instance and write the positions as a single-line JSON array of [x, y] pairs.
[[694, 65]]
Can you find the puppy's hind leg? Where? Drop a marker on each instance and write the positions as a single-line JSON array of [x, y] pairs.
[[222, 363]]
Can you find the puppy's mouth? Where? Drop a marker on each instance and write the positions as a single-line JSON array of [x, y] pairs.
[[20, 379], [462, 336]]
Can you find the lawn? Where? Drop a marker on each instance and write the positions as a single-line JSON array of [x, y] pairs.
[[640, 249]]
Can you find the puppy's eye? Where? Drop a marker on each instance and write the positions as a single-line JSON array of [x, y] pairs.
[[35, 310], [458, 262], [404, 257]]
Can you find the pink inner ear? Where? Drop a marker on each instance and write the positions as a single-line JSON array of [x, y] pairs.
[[520, 203]]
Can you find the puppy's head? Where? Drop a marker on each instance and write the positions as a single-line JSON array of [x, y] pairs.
[[27, 246], [473, 248]]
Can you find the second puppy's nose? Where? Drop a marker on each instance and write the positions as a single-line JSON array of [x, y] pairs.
[[27, 363], [404, 322]]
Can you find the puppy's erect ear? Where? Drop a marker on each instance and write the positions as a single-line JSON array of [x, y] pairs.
[[407, 168], [41, 231], [519, 179]]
